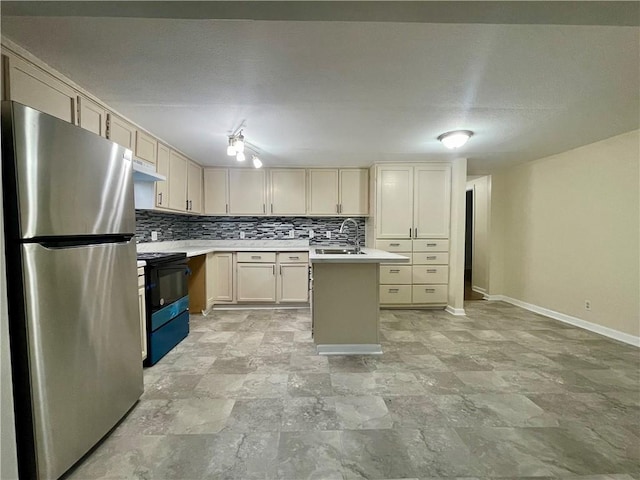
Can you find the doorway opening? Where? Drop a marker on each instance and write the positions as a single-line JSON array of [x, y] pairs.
[[469, 294]]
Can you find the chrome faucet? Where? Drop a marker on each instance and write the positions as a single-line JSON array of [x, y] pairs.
[[357, 240]]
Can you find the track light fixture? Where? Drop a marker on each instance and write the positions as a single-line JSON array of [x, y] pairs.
[[236, 147]]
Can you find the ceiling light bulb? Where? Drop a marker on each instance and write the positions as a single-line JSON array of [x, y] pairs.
[[239, 143], [231, 151], [240, 157], [455, 139], [257, 163]]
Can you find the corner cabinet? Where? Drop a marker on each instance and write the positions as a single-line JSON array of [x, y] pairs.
[[92, 116], [194, 188], [412, 218], [219, 271], [178, 168]]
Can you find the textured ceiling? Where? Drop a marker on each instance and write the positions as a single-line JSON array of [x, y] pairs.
[[351, 93]]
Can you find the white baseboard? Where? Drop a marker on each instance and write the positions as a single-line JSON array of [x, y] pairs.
[[575, 321], [479, 290], [240, 306], [349, 349], [455, 311]]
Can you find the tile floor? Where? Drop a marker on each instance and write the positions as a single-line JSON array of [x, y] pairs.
[[501, 392]]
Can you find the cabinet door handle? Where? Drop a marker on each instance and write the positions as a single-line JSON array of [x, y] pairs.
[[256, 257], [394, 244], [294, 258], [274, 269], [432, 258], [264, 208], [409, 232], [280, 270], [272, 208], [416, 234], [431, 244], [431, 270], [187, 208], [430, 290], [394, 271], [226, 208], [337, 208], [191, 205], [340, 208], [394, 290], [160, 198]]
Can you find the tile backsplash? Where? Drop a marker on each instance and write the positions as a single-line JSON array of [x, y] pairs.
[[196, 227]]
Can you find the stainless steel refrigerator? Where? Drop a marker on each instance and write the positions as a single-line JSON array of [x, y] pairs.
[[72, 287]]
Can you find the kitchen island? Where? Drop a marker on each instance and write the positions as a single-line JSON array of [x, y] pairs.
[[345, 300]]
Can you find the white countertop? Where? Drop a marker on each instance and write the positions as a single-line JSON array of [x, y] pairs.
[[141, 263], [193, 248], [371, 255]]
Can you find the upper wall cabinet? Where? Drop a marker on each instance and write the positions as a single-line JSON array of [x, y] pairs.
[[194, 188], [247, 192], [335, 191], [354, 191], [178, 171], [146, 147], [32, 86], [288, 193], [323, 192], [92, 116], [121, 132], [413, 202], [162, 167], [216, 191]]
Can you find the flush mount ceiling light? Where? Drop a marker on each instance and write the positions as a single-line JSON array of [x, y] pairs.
[[455, 139], [257, 163]]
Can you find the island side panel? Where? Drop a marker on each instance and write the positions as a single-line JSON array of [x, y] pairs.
[[346, 303]]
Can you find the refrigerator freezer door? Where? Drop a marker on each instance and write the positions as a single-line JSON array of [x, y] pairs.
[[69, 181], [83, 346]]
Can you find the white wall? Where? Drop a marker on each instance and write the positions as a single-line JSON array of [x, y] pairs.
[[566, 228]]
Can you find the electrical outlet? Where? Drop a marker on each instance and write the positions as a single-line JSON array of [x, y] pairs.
[[241, 235], [154, 236], [311, 233], [587, 304], [292, 234], [328, 234]]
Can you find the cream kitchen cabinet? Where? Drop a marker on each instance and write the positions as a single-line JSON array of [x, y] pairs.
[[334, 191], [288, 191], [413, 202], [412, 205], [216, 191], [293, 277], [256, 282], [36, 88], [247, 191], [194, 188], [121, 131], [142, 312], [146, 147], [162, 167], [219, 274], [92, 116], [178, 168]]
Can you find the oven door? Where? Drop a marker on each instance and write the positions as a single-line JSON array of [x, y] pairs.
[[168, 283]]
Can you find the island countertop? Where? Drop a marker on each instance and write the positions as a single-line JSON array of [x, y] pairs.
[[370, 255]]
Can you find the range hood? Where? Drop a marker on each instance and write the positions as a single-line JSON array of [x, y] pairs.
[[145, 172]]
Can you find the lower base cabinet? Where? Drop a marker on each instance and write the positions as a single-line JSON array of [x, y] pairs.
[[219, 269], [256, 282], [293, 283]]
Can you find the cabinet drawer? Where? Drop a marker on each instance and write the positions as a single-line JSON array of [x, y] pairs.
[[430, 258], [429, 294], [394, 245], [431, 245], [430, 274], [395, 294], [395, 274], [404, 254], [256, 257], [293, 257]]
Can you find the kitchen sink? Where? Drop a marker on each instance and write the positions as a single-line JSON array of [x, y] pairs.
[[338, 251]]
